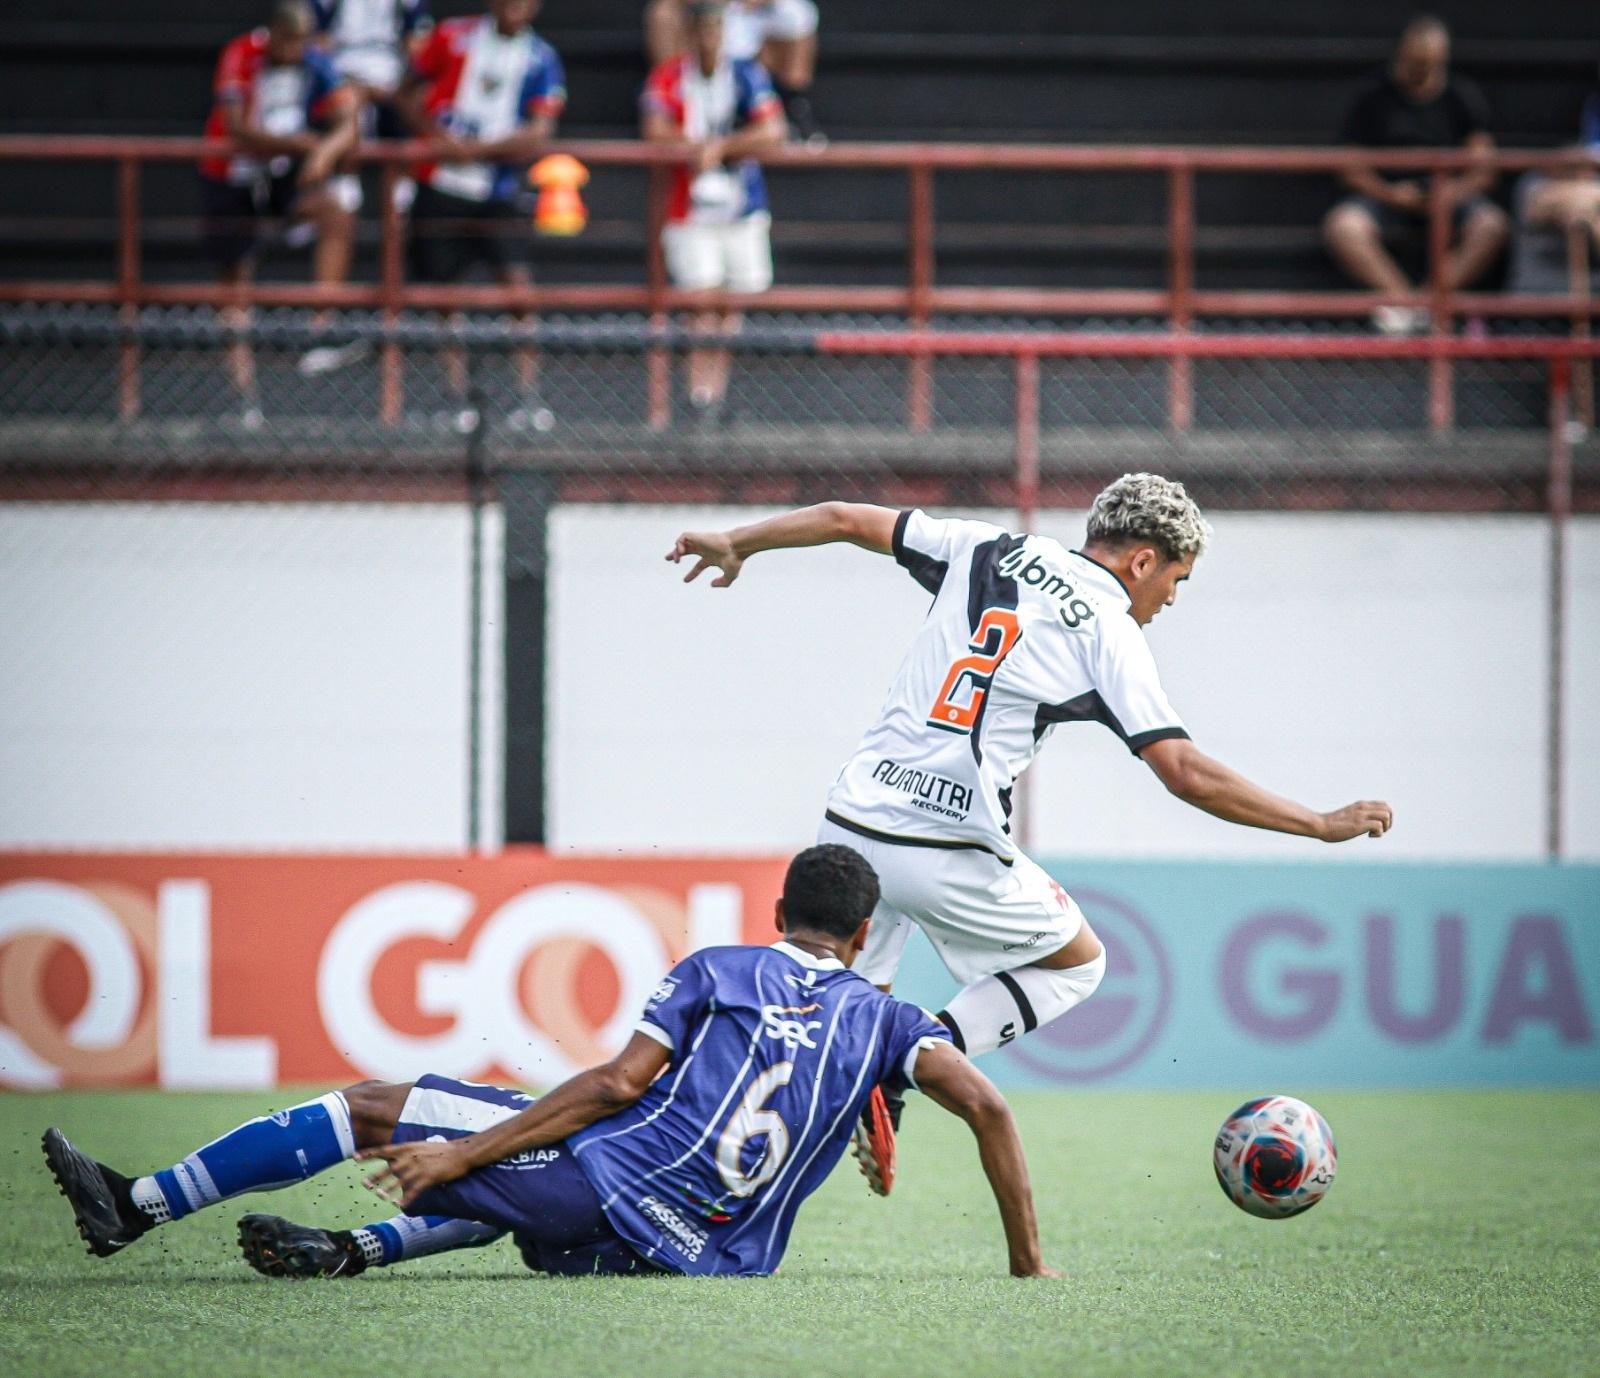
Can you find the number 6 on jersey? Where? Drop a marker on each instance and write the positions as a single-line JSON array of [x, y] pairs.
[[998, 631]]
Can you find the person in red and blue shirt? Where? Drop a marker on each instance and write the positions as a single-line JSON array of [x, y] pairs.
[[485, 92], [290, 118], [718, 234]]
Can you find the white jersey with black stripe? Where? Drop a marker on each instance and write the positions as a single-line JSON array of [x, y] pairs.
[[1023, 635]]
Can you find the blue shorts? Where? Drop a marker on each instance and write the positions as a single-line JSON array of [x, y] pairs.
[[542, 1196]]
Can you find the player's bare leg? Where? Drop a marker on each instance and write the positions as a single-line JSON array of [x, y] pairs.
[[331, 208], [793, 64], [532, 414], [236, 321], [1356, 243], [1483, 238], [706, 367]]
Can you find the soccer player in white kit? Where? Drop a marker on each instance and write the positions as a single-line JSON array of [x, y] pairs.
[[1023, 635]]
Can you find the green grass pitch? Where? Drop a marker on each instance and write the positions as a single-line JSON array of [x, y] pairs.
[[1460, 1238]]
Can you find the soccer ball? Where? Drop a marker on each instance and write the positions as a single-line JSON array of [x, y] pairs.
[[1275, 1157]]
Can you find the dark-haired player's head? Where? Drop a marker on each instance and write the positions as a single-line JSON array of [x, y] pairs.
[[513, 16], [289, 28], [829, 893], [1422, 56], [703, 19]]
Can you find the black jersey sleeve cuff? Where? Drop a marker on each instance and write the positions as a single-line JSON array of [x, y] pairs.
[[1140, 741], [899, 542], [923, 568]]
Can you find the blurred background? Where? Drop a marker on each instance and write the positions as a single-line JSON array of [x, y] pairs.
[[338, 460]]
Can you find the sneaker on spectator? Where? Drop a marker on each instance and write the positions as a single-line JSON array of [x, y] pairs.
[[323, 359], [1400, 320], [531, 416]]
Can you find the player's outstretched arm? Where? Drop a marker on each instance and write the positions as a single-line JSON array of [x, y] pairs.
[[947, 1078], [410, 1169], [858, 523], [1197, 779]]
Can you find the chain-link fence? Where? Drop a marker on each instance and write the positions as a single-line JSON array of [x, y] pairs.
[[93, 402], [341, 529]]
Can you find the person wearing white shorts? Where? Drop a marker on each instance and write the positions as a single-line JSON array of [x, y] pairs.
[[1023, 636], [982, 916], [718, 235], [779, 34]]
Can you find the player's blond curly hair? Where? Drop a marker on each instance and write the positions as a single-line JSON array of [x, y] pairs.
[[1149, 508]]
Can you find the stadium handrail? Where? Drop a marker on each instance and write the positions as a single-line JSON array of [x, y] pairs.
[[1180, 303]]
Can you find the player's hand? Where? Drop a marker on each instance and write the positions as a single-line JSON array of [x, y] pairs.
[[447, 148], [709, 155], [712, 550], [1365, 818], [1408, 196], [410, 1169]]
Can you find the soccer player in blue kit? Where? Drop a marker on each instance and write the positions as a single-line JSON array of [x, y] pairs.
[[689, 1152]]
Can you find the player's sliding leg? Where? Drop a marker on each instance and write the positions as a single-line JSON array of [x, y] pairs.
[[263, 1154], [279, 1248]]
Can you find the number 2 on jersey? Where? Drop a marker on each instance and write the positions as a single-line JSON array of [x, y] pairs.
[[998, 631]]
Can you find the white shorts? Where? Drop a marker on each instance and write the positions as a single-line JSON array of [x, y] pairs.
[[736, 256], [981, 915], [746, 28]]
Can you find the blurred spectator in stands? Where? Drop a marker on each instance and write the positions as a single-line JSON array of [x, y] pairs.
[[372, 43], [779, 34], [1416, 104], [718, 235], [485, 92], [291, 119], [1572, 199]]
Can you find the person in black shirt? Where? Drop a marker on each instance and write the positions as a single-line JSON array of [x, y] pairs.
[[1416, 104]]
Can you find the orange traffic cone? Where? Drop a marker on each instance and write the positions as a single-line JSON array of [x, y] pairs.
[[560, 209]]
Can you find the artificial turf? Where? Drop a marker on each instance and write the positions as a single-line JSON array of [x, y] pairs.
[[1461, 1237]]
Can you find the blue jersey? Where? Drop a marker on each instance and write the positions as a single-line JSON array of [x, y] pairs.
[[774, 1053]]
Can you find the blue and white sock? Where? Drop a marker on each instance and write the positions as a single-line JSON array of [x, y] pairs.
[[417, 1236], [276, 1150]]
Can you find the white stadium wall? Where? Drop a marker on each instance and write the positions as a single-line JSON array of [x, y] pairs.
[[213, 675], [287, 676]]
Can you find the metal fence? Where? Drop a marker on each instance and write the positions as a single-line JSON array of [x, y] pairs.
[[127, 388], [1005, 415], [519, 417]]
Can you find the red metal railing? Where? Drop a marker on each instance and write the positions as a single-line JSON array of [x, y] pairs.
[[1181, 302]]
